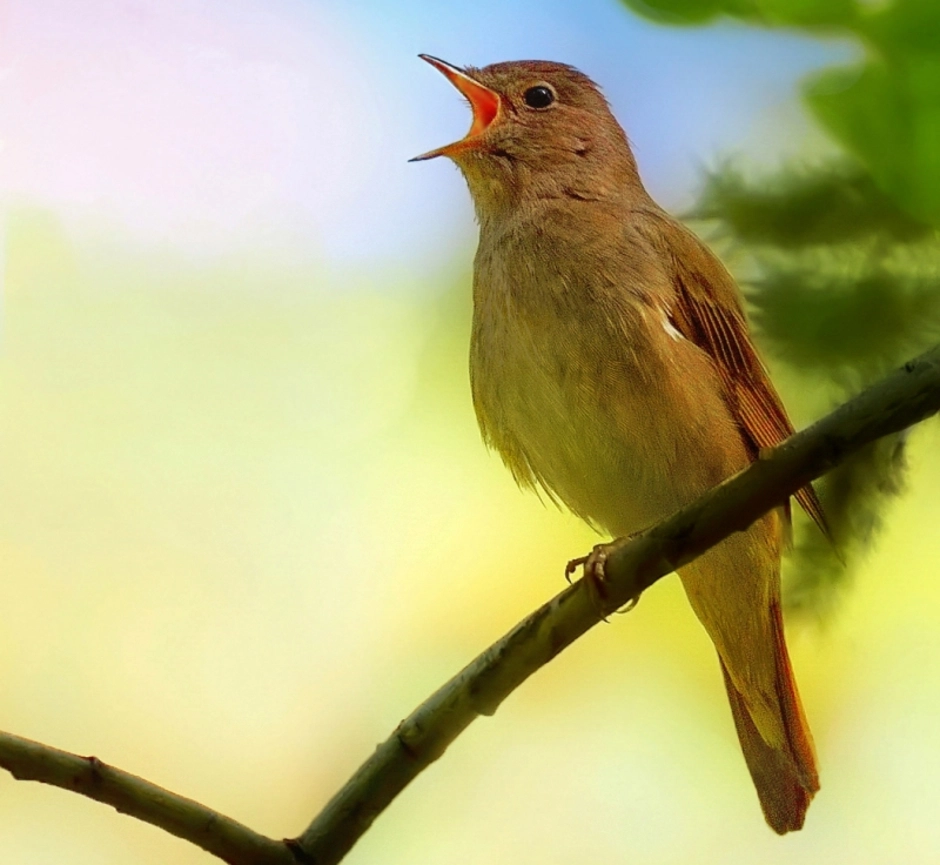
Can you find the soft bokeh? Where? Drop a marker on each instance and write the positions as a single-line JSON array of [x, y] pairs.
[[246, 523]]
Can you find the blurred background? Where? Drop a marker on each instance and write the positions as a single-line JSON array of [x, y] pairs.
[[246, 521]]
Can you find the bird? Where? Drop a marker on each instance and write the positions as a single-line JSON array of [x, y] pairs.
[[612, 368]]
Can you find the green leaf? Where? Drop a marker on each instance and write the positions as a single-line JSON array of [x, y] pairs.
[[831, 203], [903, 27], [790, 13], [888, 115], [830, 14], [825, 312], [680, 12]]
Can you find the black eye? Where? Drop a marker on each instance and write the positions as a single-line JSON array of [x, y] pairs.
[[539, 96]]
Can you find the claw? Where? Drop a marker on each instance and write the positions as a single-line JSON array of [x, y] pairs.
[[594, 564], [573, 565]]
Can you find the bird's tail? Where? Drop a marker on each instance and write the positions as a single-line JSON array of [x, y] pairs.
[[784, 773], [735, 591]]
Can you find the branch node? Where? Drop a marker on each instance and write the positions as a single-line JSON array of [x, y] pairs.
[[96, 769], [298, 852], [402, 735]]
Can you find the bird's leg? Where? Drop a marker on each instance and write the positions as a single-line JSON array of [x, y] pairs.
[[594, 564]]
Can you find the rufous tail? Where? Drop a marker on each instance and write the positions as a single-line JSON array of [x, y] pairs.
[[785, 777]]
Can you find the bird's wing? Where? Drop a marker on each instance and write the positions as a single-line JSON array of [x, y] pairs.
[[706, 310]]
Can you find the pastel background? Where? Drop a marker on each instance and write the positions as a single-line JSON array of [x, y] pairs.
[[246, 522]]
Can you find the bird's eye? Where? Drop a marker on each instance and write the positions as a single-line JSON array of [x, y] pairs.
[[539, 96]]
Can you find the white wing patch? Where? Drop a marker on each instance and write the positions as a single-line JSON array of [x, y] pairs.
[[669, 327]]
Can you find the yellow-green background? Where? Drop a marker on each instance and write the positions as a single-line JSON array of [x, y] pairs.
[[246, 523]]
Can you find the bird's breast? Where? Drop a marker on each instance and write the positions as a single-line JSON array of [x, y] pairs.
[[553, 361], [579, 385]]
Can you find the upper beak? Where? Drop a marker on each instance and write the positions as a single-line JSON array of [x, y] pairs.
[[483, 101]]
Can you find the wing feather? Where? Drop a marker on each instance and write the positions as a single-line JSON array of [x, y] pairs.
[[706, 310]]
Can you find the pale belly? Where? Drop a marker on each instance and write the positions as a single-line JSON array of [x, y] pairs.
[[622, 430]]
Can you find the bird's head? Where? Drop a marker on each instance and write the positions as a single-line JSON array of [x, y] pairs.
[[539, 129]]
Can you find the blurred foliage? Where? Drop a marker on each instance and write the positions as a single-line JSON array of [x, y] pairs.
[[781, 13], [840, 260], [838, 202], [849, 314], [855, 496]]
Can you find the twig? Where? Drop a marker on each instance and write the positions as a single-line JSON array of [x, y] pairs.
[[232, 842], [906, 397]]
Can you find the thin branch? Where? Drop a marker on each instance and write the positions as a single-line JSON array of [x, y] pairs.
[[908, 396], [904, 398], [223, 837]]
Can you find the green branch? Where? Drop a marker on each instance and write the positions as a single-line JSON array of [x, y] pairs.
[[221, 836]]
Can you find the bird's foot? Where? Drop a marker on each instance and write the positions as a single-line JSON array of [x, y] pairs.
[[593, 565]]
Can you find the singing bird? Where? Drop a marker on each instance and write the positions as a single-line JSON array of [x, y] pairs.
[[611, 366]]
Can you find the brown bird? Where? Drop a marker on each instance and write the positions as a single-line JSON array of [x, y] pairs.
[[611, 366]]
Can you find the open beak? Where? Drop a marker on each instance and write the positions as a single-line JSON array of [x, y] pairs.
[[483, 101]]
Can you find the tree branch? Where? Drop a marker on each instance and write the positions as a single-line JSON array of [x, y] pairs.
[[906, 397], [26, 760]]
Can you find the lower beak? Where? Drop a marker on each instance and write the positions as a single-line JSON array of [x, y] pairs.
[[483, 101]]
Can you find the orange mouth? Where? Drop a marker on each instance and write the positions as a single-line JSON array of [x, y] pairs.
[[483, 101]]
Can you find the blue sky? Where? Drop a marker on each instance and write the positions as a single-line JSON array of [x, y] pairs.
[[287, 125]]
